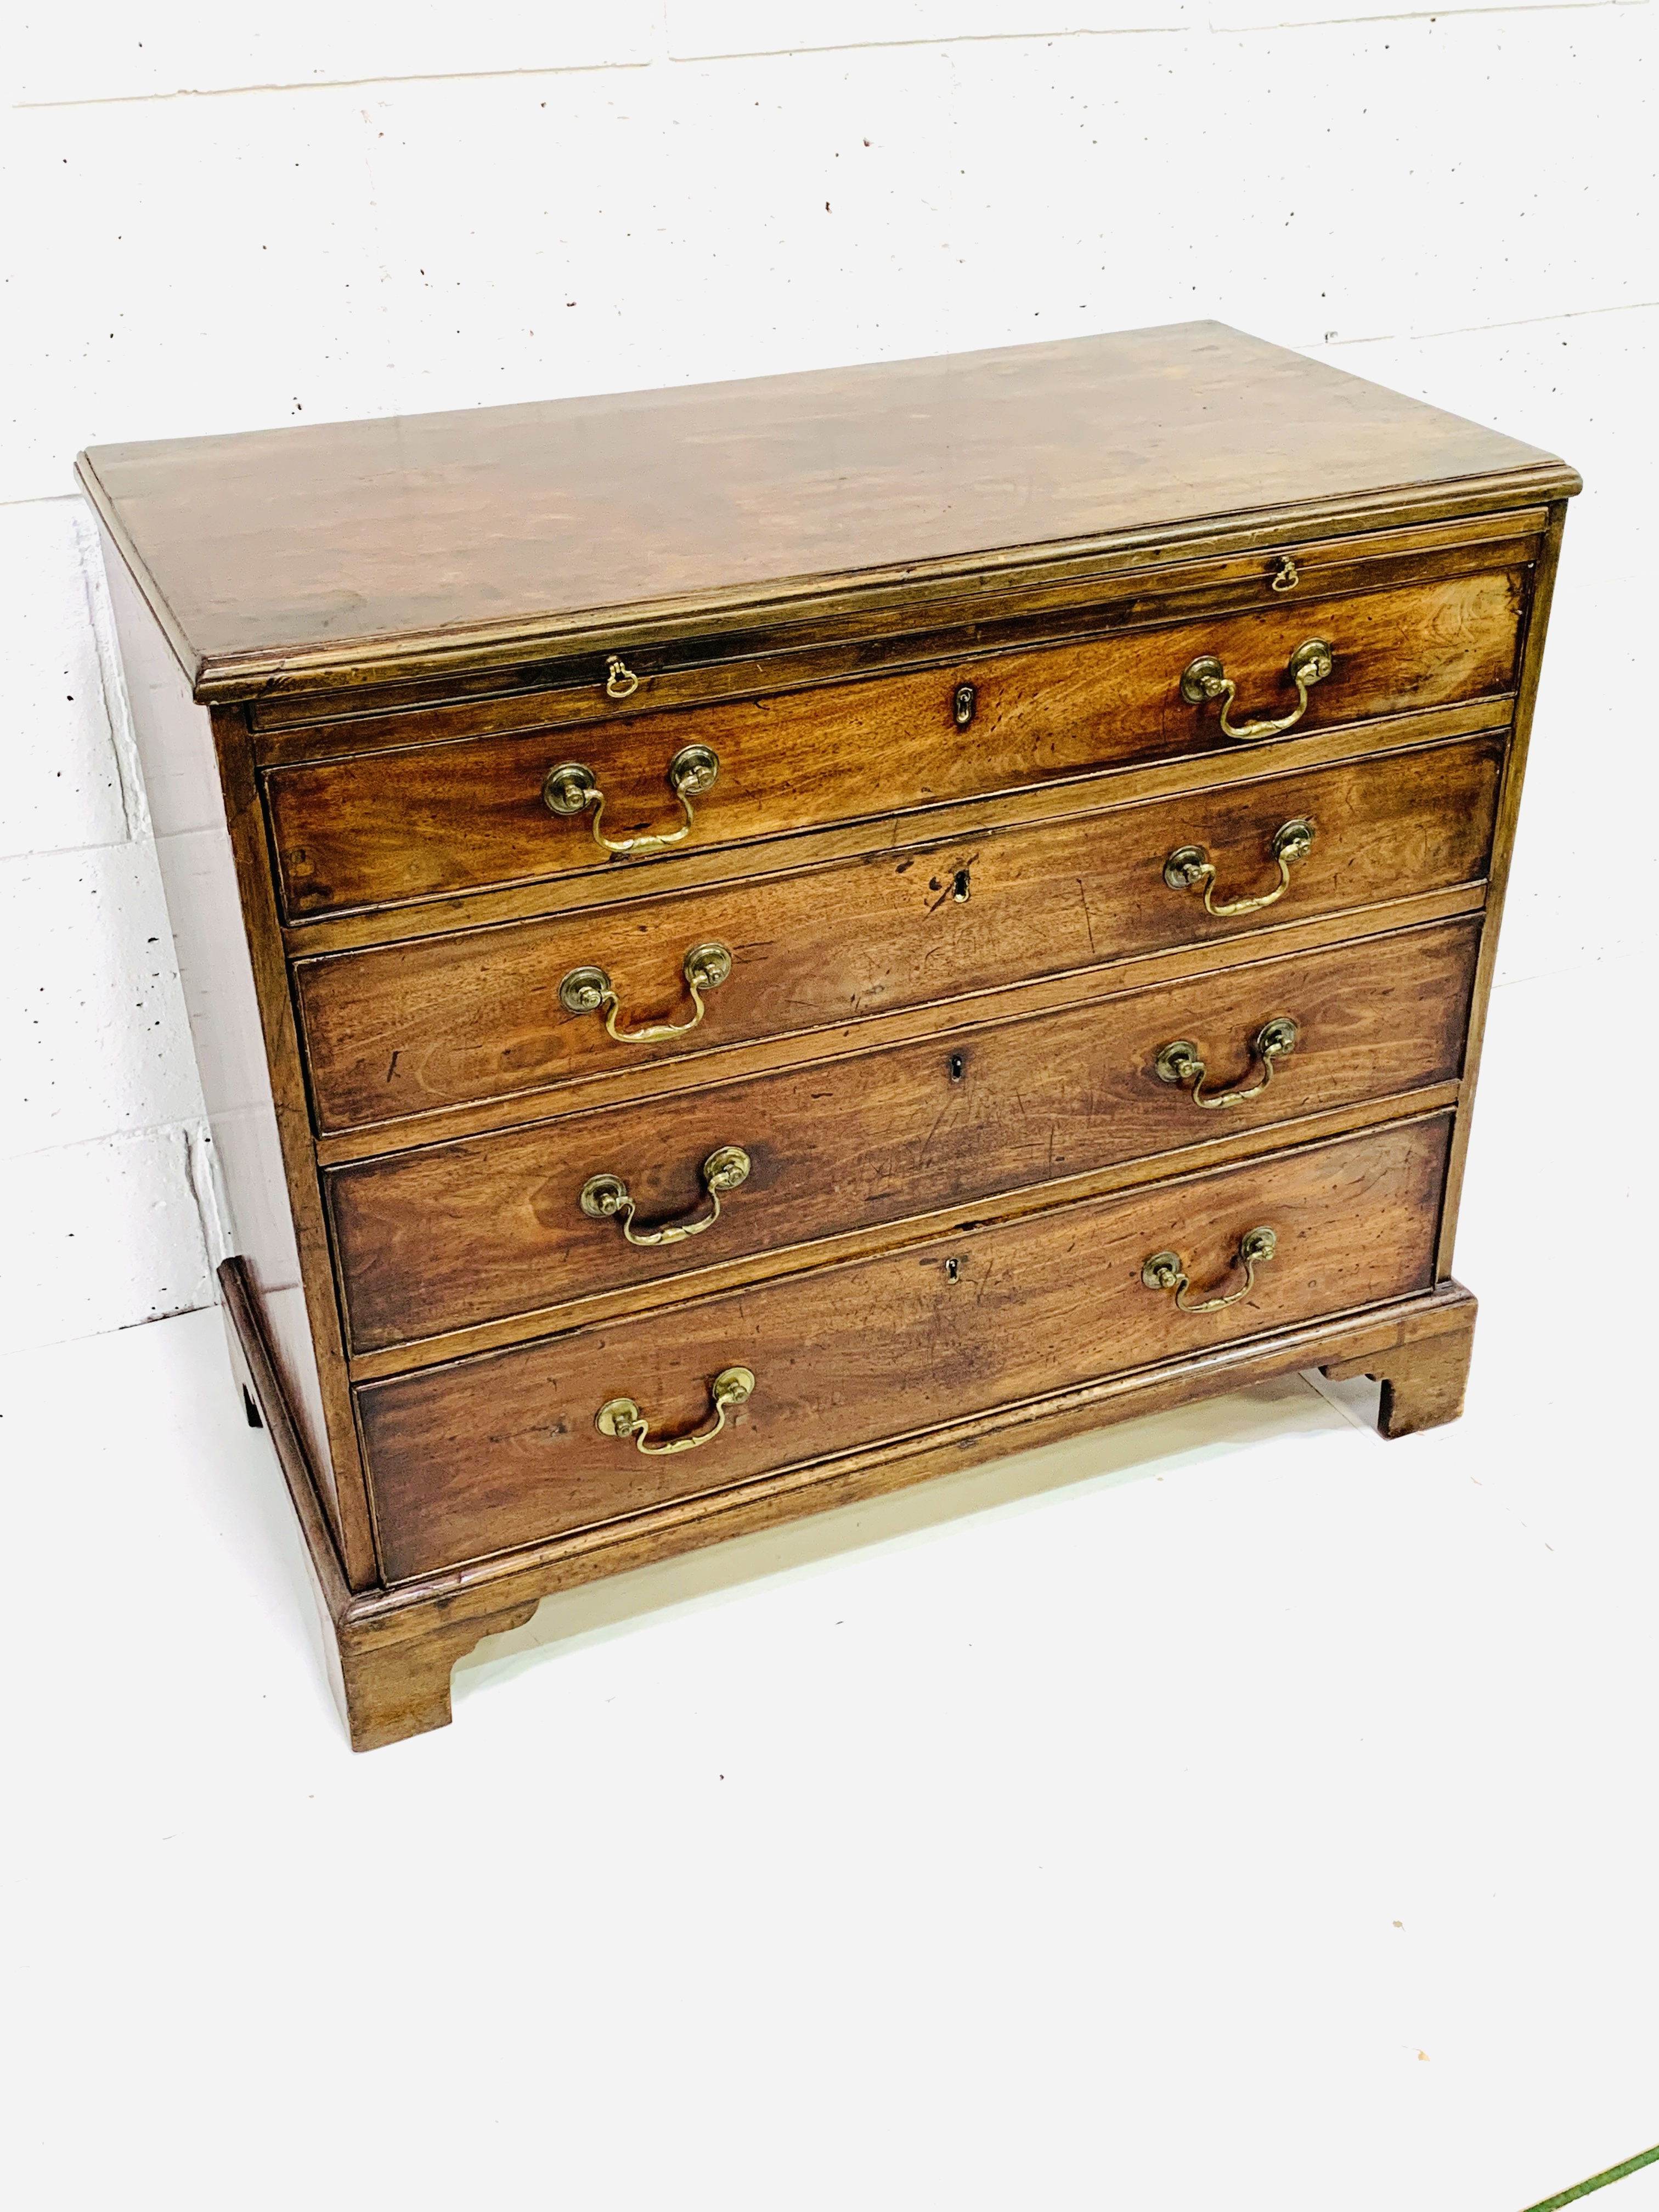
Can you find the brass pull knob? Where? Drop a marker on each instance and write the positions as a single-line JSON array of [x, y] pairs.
[[1188, 867], [622, 1418], [571, 788], [620, 681], [590, 990], [1204, 679], [1165, 1270], [1182, 1063], [605, 1197]]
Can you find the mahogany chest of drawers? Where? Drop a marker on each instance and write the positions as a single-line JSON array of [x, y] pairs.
[[748, 944]]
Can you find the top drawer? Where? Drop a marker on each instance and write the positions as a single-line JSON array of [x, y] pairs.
[[423, 822]]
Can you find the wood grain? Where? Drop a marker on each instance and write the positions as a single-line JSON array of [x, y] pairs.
[[411, 1355], [409, 1028], [433, 819], [283, 555], [1050, 994], [1056, 799], [1079, 597], [665, 1532], [501, 1451], [453, 1236]]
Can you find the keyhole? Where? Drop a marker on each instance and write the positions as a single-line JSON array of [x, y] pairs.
[[958, 1068], [952, 1270], [961, 889]]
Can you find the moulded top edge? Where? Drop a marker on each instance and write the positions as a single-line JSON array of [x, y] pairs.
[[790, 605], [308, 556]]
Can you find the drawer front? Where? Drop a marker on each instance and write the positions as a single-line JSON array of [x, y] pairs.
[[441, 1022], [435, 819], [503, 1451], [454, 1235]]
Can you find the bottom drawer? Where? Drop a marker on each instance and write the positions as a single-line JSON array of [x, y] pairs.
[[489, 1454]]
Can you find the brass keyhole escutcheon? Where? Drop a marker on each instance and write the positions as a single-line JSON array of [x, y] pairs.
[[963, 703]]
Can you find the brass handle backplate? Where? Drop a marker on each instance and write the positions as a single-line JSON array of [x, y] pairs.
[[1188, 867], [590, 990], [1167, 1271], [1180, 1061], [605, 1197], [622, 1418], [1204, 679], [571, 788]]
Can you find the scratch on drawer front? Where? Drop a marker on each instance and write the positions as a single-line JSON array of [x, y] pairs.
[[1088, 919]]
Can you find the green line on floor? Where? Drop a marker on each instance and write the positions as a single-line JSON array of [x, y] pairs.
[[1596, 2181]]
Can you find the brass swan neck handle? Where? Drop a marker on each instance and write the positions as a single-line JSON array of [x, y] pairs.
[[571, 788], [1181, 1062], [1167, 1271], [1189, 868], [590, 990], [622, 1418], [605, 1198], [1204, 679]]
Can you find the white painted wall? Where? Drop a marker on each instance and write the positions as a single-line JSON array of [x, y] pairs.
[[217, 223]]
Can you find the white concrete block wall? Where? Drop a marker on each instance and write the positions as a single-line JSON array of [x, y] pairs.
[[355, 209], [101, 1111]]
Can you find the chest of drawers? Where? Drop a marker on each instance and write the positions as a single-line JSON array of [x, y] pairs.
[[752, 944]]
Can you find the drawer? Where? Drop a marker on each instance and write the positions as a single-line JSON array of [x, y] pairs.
[[434, 819], [503, 1451], [453, 1236], [477, 1015]]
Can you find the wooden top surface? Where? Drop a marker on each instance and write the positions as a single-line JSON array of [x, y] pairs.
[[307, 541]]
